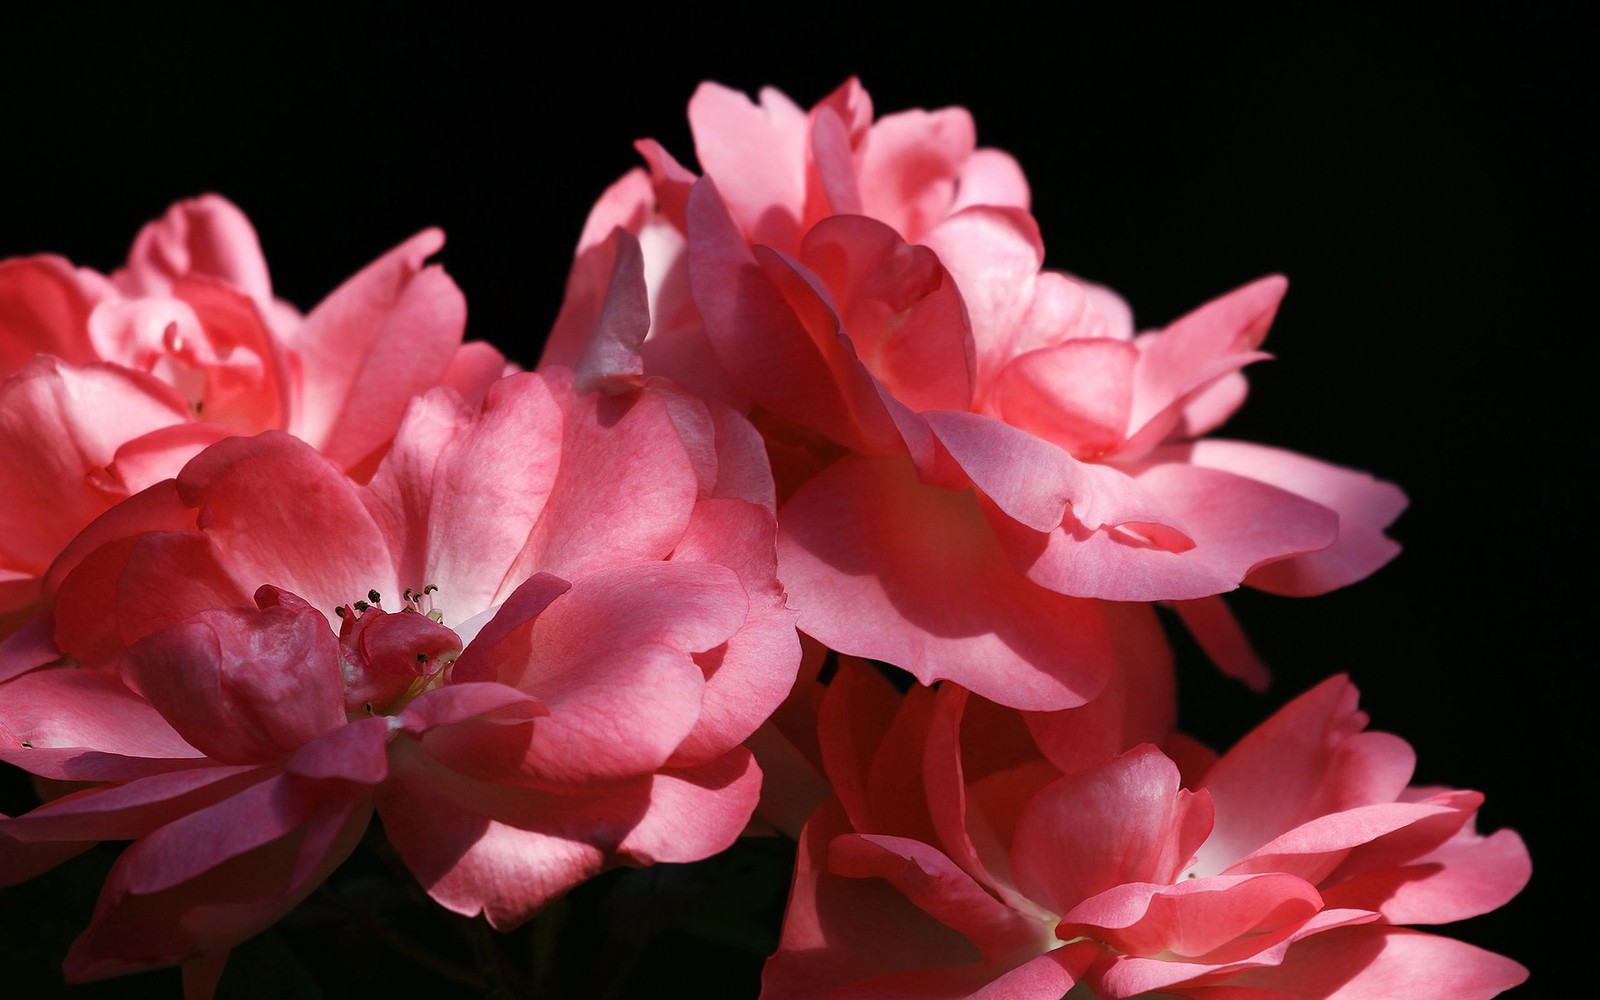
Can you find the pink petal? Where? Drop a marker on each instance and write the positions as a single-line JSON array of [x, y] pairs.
[[909, 167], [939, 888], [610, 361], [1126, 822], [241, 685], [60, 427], [991, 177], [505, 851], [749, 675], [1137, 705], [1218, 632], [353, 753], [612, 659], [1217, 920], [156, 508], [205, 237], [856, 713], [20, 861], [31, 646], [165, 578], [901, 308], [137, 926], [730, 458], [855, 551], [840, 930], [1194, 351], [488, 656], [382, 337], [670, 182], [1315, 848], [867, 417], [792, 786], [253, 494], [802, 372], [1037, 483], [1365, 507], [469, 702], [979, 769], [44, 309], [461, 490], [247, 374], [628, 204], [479, 730], [1386, 963], [1116, 975], [757, 155], [84, 725], [1075, 394], [830, 174], [1234, 525], [475, 367], [695, 812], [624, 489], [994, 255], [1309, 759], [203, 840], [135, 809], [1466, 875], [895, 788], [1048, 977], [160, 454]]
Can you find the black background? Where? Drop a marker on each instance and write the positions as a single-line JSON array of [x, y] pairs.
[[1425, 177]]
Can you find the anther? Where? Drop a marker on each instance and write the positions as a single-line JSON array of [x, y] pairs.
[[372, 595]]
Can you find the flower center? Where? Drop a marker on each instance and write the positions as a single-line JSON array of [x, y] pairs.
[[389, 658]]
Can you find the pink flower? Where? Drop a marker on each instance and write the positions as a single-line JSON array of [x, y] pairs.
[[971, 452], [533, 642], [110, 384], [977, 851]]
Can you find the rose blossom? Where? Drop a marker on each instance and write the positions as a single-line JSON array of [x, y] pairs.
[[533, 642], [969, 449], [977, 851], [109, 384]]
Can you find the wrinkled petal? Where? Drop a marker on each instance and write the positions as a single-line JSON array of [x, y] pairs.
[[244, 685], [1365, 507], [1226, 526]]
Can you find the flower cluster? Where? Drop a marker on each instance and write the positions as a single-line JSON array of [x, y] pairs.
[[812, 417]]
